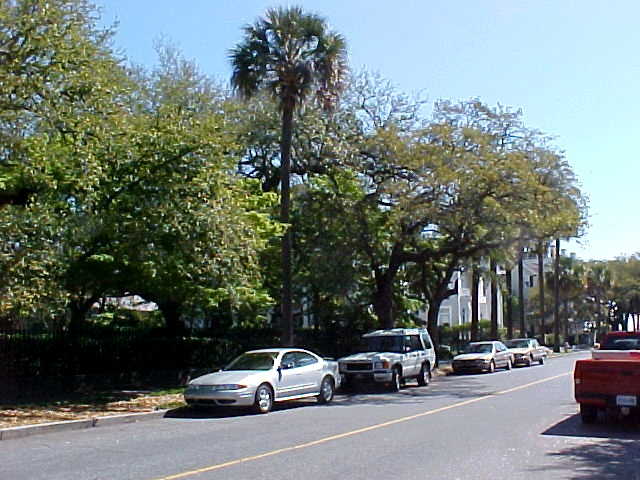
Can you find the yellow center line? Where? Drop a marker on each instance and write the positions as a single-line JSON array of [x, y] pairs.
[[355, 432]]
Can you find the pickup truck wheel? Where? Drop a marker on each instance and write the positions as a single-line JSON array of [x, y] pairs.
[[326, 391], [424, 377], [588, 413], [394, 386]]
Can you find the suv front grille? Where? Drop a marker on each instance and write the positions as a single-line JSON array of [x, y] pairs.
[[358, 366]]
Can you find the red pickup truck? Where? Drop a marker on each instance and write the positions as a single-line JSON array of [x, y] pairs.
[[610, 379]]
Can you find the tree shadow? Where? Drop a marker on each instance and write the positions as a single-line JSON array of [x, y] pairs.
[[469, 387], [612, 454]]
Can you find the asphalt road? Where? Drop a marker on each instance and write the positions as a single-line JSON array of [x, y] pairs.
[[519, 423]]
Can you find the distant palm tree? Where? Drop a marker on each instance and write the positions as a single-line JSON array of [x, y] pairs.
[[291, 54]]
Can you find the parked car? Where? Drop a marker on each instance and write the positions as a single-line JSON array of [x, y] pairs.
[[483, 357], [610, 379], [390, 357], [526, 351], [259, 378]]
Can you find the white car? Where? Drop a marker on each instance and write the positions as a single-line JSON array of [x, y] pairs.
[[259, 378]]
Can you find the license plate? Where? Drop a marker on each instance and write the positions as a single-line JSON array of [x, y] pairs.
[[626, 401]]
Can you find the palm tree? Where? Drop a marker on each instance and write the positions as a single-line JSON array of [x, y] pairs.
[[290, 54]]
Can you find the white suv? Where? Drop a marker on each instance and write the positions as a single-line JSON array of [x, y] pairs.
[[390, 357]]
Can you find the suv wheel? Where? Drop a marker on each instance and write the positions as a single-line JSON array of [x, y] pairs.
[[424, 377], [395, 380]]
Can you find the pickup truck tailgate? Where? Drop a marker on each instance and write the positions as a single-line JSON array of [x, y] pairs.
[[604, 380]]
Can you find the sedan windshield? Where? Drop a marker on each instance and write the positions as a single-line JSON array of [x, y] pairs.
[[253, 361], [479, 348], [517, 343]]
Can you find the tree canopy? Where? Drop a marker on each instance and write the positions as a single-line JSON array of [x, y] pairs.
[[118, 180]]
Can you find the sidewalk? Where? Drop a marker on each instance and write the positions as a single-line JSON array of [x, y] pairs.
[[27, 430]]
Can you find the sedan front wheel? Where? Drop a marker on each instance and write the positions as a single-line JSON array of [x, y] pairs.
[[492, 367], [263, 399], [326, 391]]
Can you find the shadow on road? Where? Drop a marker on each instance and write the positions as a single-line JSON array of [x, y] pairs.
[[227, 412], [466, 386], [608, 426], [611, 454]]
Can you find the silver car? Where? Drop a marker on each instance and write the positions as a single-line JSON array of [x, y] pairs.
[[526, 351], [483, 357], [259, 378]]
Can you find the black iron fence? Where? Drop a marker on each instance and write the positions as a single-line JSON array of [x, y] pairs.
[[101, 357]]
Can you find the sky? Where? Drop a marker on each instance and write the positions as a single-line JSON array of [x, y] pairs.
[[571, 66]]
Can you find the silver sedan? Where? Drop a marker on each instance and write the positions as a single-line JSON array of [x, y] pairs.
[[259, 378], [526, 351], [483, 357]]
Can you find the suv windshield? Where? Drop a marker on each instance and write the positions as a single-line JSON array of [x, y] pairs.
[[384, 343]]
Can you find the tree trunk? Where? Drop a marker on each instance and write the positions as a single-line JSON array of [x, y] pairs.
[[383, 303], [565, 321], [556, 298], [494, 299], [171, 311], [509, 304], [521, 291], [79, 309], [285, 208], [432, 321], [475, 304], [541, 288]]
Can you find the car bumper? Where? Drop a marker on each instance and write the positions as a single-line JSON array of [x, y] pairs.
[[521, 361], [366, 377], [204, 397], [609, 401], [470, 368]]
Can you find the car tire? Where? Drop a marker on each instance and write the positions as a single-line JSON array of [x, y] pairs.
[[327, 390], [529, 361], [541, 361], [588, 413], [492, 367], [394, 385], [508, 365], [263, 399], [424, 377]]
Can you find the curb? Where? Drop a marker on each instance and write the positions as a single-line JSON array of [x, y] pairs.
[[40, 428]]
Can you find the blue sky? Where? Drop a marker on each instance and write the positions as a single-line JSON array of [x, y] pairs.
[[572, 66]]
